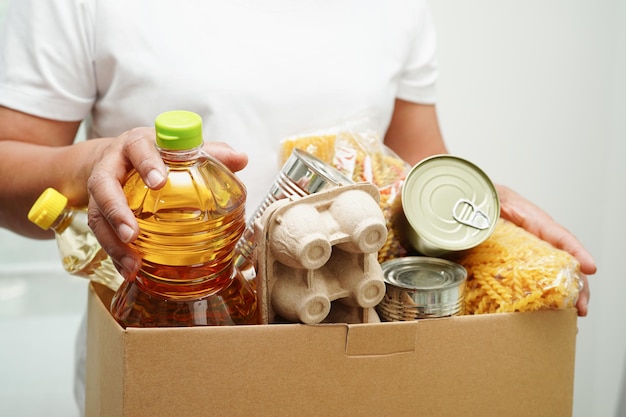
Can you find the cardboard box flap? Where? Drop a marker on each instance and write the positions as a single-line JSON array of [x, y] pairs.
[[381, 338]]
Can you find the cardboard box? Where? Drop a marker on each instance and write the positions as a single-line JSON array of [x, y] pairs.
[[519, 364]]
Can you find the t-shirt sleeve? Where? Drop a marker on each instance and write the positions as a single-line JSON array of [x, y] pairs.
[[46, 50], [419, 78]]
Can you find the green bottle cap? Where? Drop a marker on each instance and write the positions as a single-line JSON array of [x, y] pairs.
[[47, 208], [178, 130]]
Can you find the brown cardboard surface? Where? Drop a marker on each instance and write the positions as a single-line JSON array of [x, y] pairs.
[[519, 364]]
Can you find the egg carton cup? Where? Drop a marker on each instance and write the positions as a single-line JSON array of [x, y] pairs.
[[317, 257]]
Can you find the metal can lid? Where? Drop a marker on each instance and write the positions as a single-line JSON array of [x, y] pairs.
[[450, 203], [423, 273]]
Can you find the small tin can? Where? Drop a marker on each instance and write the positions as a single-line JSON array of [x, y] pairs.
[[302, 174], [420, 287], [450, 205]]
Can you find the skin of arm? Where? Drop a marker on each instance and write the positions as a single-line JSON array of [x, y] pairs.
[[414, 134], [38, 153]]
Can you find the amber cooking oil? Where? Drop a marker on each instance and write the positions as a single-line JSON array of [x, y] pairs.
[[188, 232]]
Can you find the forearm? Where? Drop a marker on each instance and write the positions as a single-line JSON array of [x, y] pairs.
[[414, 133], [27, 169]]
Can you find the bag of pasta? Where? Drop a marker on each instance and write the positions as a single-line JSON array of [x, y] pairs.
[[358, 152], [513, 270]]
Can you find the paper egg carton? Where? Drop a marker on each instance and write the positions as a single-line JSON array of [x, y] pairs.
[[317, 257]]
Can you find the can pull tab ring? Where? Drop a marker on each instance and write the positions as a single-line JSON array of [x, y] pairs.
[[466, 212]]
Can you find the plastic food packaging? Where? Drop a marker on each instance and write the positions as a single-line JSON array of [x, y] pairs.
[[513, 270], [188, 232], [79, 249], [357, 151]]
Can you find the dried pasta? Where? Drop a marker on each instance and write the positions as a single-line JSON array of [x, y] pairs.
[[390, 203], [319, 145], [513, 270]]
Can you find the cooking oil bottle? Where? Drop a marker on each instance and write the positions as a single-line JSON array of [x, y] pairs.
[[188, 232], [80, 251]]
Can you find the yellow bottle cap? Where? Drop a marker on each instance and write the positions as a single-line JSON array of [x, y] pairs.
[[47, 208]]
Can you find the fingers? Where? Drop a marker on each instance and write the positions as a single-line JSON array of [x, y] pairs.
[[547, 229], [138, 149], [108, 208], [565, 240], [125, 259], [110, 217], [583, 297], [132, 149], [525, 214], [234, 160]]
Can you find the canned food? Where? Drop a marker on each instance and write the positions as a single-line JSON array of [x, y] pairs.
[[450, 205], [303, 174], [420, 287]]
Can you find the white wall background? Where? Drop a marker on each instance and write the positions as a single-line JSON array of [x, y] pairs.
[[40, 310], [532, 91]]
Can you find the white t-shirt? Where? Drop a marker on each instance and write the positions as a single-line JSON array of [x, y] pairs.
[[257, 71]]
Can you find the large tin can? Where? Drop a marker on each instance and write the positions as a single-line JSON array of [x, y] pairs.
[[422, 287], [449, 205]]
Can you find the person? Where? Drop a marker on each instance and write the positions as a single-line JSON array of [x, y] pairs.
[[257, 71]]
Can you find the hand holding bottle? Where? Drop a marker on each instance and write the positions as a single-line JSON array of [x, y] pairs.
[[109, 215], [188, 229]]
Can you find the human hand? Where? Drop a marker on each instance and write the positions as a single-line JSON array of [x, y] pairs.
[[523, 213], [110, 218]]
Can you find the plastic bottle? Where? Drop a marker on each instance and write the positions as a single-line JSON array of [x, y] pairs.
[[188, 232], [80, 251]]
